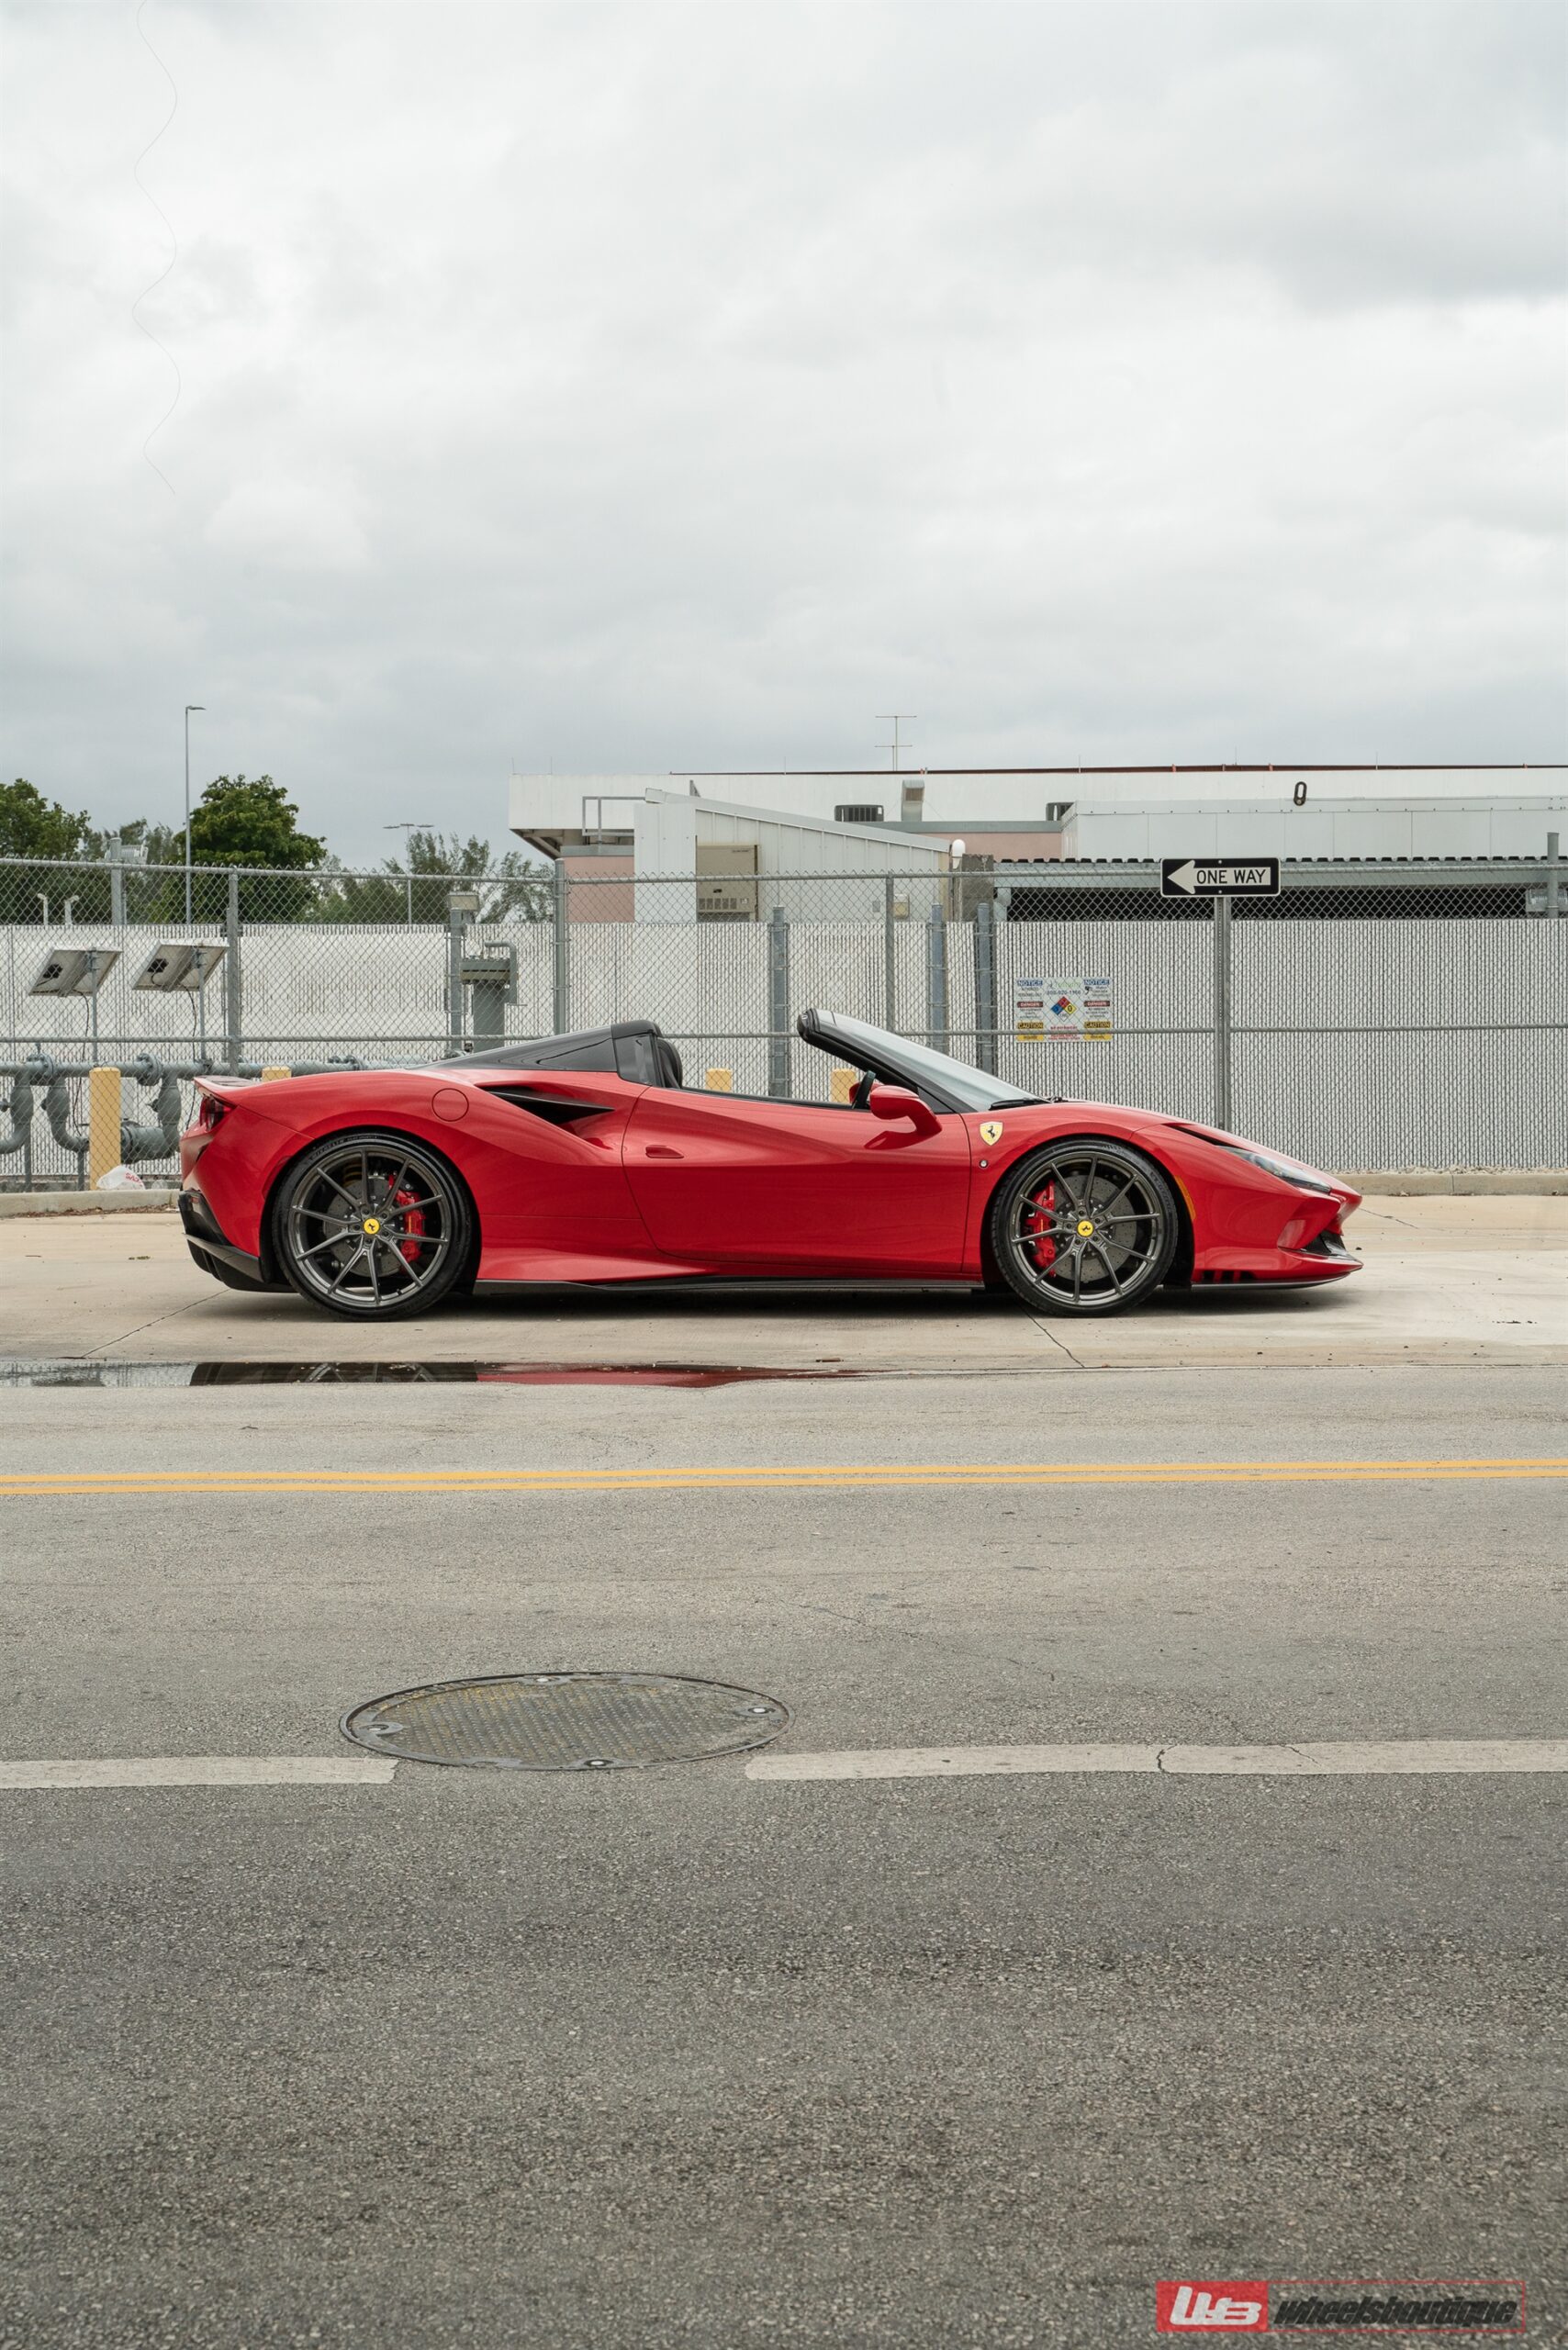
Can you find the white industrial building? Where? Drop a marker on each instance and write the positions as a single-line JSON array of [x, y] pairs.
[[1429, 826], [733, 831], [723, 855]]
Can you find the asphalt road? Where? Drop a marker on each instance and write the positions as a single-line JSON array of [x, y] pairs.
[[687, 2058]]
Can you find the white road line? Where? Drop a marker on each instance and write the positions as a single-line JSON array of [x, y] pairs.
[[1348, 1758], [203, 1771]]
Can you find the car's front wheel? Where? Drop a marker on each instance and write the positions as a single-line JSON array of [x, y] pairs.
[[1084, 1228], [373, 1226]]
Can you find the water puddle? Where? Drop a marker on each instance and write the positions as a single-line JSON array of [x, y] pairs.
[[70, 1373]]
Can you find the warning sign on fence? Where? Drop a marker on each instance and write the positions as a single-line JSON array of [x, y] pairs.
[[1069, 1011]]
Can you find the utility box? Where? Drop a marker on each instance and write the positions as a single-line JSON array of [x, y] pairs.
[[491, 981], [726, 881]]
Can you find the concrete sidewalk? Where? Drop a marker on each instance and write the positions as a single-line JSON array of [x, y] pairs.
[[1448, 1280]]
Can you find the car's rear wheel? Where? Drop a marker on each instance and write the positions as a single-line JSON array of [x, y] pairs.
[[372, 1225], [1084, 1226]]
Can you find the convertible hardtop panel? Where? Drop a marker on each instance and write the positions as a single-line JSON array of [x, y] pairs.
[[634, 1049]]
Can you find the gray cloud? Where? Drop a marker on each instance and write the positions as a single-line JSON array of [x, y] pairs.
[[639, 387]]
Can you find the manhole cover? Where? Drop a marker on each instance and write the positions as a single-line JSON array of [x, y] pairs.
[[567, 1721]]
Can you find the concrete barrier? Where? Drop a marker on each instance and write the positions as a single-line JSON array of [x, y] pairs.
[[87, 1202]]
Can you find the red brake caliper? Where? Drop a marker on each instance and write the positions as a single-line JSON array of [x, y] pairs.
[[1037, 1218], [413, 1225]]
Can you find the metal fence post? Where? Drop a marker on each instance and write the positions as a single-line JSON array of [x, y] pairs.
[[778, 1005], [457, 924], [985, 985], [233, 999], [1222, 1089], [560, 981], [889, 959], [1553, 902], [936, 977]]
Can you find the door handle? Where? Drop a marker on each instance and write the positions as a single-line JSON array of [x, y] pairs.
[[662, 1151]]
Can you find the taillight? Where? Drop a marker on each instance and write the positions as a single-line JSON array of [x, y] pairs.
[[210, 1112]]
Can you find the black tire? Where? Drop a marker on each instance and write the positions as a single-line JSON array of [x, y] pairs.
[[1083, 1226], [372, 1225]]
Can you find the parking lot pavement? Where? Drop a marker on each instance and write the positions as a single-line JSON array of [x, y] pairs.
[[1448, 1280], [690, 2056]]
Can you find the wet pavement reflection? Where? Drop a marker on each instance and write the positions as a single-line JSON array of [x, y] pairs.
[[78, 1373]]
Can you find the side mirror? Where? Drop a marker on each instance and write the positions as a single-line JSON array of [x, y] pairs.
[[897, 1102]]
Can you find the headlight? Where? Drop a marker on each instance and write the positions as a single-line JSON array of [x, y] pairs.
[[1289, 1171]]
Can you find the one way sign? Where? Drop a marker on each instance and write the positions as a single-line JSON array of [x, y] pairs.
[[1197, 877]]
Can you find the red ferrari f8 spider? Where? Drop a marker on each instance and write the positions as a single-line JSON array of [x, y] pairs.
[[377, 1192]]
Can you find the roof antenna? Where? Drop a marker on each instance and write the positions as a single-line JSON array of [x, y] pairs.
[[896, 717]]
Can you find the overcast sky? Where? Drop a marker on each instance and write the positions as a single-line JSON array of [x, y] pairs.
[[638, 387]]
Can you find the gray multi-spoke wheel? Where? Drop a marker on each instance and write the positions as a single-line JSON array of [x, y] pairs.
[[1084, 1228], [373, 1226]]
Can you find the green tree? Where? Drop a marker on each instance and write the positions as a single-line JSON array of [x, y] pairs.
[[31, 825], [246, 819], [41, 829], [250, 821], [511, 887]]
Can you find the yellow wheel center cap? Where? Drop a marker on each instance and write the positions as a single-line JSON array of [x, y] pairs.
[[373, 1224], [1085, 1229]]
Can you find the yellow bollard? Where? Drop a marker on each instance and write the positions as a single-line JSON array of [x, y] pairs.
[[103, 1123], [268, 1073], [719, 1081], [844, 1082]]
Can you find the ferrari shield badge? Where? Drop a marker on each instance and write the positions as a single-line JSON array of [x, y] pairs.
[[990, 1130]]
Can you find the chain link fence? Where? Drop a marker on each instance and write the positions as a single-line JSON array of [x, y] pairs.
[[1372, 1016]]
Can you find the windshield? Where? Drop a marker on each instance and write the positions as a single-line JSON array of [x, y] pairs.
[[957, 1084]]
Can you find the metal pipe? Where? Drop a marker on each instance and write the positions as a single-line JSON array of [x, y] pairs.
[[57, 1110], [39, 1066], [161, 1139], [137, 1144], [19, 1109]]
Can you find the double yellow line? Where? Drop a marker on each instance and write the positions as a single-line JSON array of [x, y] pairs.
[[963, 1474]]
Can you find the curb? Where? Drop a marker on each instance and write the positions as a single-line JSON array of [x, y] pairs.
[[1473, 1182], [85, 1203]]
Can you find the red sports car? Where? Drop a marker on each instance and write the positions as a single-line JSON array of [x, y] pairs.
[[377, 1192]]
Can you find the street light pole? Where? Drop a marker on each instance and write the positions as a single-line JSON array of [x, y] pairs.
[[189, 707]]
